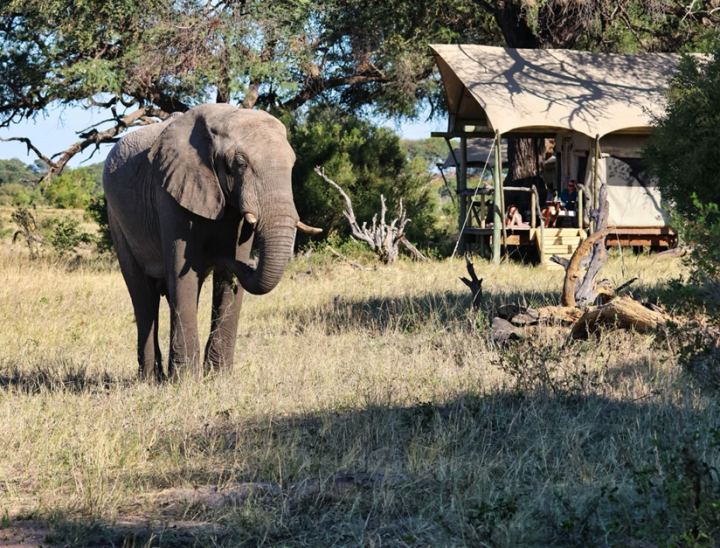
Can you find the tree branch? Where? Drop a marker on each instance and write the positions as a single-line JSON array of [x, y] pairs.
[[30, 148]]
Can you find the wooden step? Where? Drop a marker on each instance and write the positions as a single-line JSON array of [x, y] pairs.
[[555, 232], [563, 240], [559, 249]]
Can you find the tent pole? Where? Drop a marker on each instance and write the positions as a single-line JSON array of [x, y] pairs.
[[595, 178], [497, 200], [461, 177]]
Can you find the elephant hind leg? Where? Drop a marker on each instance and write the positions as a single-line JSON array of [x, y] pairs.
[[146, 304], [226, 305]]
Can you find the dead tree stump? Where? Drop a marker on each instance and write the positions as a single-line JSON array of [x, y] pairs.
[[586, 292], [473, 283]]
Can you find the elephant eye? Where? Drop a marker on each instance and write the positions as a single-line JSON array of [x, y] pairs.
[[240, 162]]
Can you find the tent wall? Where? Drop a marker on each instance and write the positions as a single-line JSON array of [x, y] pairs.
[[633, 196]]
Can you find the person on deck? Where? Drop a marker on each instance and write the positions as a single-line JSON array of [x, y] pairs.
[[569, 194], [513, 217]]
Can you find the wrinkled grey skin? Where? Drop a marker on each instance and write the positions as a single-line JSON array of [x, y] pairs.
[[178, 194]]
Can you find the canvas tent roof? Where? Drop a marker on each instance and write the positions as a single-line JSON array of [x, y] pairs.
[[478, 152], [541, 91]]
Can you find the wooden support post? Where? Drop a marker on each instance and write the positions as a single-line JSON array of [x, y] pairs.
[[497, 200], [461, 177], [579, 209], [595, 188], [533, 205]]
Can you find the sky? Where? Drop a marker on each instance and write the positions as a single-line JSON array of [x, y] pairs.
[[56, 131]]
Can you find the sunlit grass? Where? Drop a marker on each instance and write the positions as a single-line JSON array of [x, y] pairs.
[[384, 373]]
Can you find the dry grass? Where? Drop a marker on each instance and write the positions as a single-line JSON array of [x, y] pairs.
[[365, 409]]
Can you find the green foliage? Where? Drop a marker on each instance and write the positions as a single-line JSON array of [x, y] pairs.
[[277, 54], [682, 153], [97, 211], [366, 161], [433, 150], [73, 189], [64, 235], [18, 184], [13, 171]]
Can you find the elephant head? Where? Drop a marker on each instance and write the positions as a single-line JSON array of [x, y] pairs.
[[217, 154]]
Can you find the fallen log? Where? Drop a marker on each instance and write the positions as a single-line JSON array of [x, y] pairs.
[[622, 312], [563, 315], [503, 332], [674, 253]]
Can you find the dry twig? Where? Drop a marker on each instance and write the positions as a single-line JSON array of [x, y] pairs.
[[382, 238]]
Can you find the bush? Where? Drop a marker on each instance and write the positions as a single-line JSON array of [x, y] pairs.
[[682, 153], [97, 211], [65, 236], [366, 161], [71, 190]]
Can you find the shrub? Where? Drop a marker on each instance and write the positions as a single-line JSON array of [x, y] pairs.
[[65, 236], [97, 211], [682, 153], [71, 190]]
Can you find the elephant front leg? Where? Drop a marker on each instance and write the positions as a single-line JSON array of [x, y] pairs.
[[227, 302], [184, 343]]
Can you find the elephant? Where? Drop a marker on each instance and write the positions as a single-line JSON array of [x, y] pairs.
[[189, 196]]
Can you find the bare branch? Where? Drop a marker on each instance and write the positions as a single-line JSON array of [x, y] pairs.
[[382, 238], [360, 233], [473, 283], [30, 148]]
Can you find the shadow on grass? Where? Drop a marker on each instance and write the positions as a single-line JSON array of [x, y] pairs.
[[509, 468], [409, 313], [56, 375]]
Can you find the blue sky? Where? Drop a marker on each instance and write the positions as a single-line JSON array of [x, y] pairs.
[[56, 131]]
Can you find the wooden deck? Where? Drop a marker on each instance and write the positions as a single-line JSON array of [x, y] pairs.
[[549, 241]]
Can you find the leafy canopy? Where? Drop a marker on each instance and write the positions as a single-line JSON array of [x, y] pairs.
[[366, 161], [683, 154]]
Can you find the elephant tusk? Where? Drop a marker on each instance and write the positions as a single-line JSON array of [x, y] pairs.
[[309, 229], [250, 218]]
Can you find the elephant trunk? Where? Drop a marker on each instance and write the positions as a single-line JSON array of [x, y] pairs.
[[274, 236]]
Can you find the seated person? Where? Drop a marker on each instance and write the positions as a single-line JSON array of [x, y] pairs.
[[550, 213], [570, 194]]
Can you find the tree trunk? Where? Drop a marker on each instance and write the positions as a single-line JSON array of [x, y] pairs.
[[559, 24], [525, 158]]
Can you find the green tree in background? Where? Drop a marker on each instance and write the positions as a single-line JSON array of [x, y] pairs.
[[145, 59], [366, 161], [14, 171], [683, 154], [73, 189], [18, 183]]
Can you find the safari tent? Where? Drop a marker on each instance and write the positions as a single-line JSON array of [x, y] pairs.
[[597, 107]]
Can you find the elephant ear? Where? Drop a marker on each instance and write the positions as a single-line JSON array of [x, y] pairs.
[[182, 161]]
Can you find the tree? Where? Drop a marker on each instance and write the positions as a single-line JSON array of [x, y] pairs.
[[144, 60], [682, 153], [72, 189], [14, 171], [367, 162]]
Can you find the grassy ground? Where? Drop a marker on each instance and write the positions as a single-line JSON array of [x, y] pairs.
[[365, 409]]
